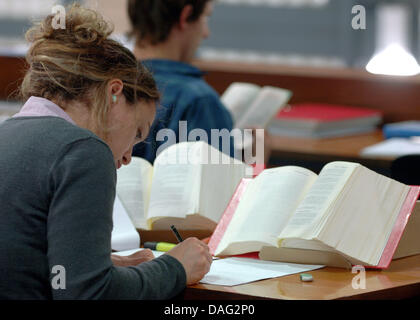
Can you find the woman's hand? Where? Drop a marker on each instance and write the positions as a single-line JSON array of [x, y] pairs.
[[195, 257], [133, 259]]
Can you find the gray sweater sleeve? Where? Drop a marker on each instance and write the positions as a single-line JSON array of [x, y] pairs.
[[82, 189]]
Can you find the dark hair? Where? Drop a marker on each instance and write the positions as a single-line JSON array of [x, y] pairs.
[[152, 20], [77, 62]]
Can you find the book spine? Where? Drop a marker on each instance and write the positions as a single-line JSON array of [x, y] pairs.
[[227, 215], [399, 227]]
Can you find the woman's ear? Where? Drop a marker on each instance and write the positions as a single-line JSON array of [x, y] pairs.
[[115, 88]]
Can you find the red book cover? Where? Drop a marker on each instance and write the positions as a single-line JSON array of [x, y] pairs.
[[227, 215], [324, 112], [399, 227], [257, 169]]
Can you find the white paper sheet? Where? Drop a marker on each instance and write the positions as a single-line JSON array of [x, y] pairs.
[[129, 252], [235, 271], [392, 148], [124, 235]]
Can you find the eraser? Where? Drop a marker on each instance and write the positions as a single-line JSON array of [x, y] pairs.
[[306, 277]]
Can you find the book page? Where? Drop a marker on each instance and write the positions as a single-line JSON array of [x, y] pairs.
[[218, 183], [364, 216], [265, 209], [133, 189], [308, 216], [124, 235], [238, 97], [176, 182], [264, 107]]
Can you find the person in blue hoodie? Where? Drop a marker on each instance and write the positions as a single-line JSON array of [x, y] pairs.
[[167, 35]]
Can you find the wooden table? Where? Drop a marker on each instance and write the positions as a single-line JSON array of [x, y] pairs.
[[400, 280], [322, 151]]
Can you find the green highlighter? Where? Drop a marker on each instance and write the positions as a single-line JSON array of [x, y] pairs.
[[159, 246]]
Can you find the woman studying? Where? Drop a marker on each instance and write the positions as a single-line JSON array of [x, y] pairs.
[[87, 103]]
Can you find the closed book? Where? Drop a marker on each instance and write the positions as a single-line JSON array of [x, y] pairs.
[[402, 129], [324, 120]]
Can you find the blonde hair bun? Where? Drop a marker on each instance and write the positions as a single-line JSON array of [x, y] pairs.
[[82, 26], [76, 63]]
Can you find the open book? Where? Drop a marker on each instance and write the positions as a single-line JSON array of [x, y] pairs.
[[253, 106], [347, 211], [184, 187]]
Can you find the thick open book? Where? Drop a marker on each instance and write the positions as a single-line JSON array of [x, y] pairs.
[[186, 187], [347, 213], [253, 106]]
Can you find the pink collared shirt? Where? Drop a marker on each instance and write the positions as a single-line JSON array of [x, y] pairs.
[[39, 107]]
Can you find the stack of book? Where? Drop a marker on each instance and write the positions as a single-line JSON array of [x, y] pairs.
[[324, 121]]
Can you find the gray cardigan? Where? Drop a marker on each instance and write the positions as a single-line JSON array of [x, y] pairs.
[[57, 188]]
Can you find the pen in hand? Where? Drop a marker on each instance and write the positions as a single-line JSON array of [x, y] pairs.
[[177, 235]]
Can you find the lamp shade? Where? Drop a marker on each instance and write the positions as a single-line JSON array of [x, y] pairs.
[[392, 54]]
